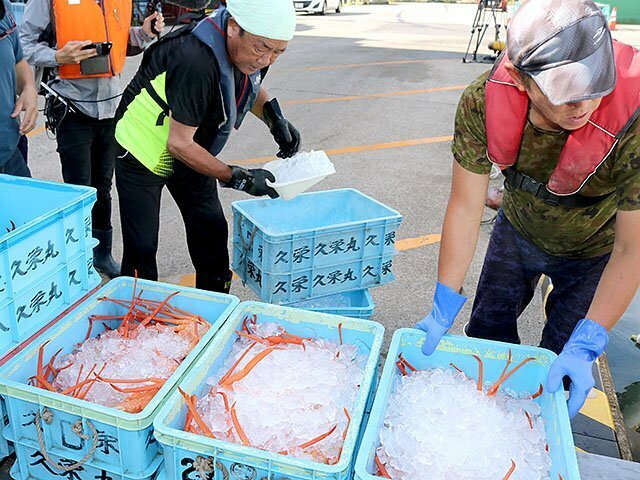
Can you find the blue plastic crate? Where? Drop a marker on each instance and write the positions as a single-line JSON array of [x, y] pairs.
[[458, 350], [125, 442], [162, 474], [318, 282], [5, 447], [182, 449], [356, 304], [31, 461], [46, 262], [316, 244]]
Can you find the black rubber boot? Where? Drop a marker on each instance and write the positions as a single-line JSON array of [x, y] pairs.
[[220, 284], [102, 259]]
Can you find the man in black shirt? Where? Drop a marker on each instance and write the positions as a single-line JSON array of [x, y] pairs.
[[192, 89]]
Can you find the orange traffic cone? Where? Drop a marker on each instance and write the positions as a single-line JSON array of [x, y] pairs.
[[613, 21]]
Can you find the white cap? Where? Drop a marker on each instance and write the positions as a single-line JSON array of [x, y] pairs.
[[274, 19]]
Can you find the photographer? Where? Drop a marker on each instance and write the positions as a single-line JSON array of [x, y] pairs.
[[85, 43]]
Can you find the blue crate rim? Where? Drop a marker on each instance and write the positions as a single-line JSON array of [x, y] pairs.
[[395, 215], [203, 445], [87, 193], [370, 437], [115, 417]]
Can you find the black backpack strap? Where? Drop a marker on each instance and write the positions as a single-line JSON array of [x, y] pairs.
[[516, 180], [147, 83], [159, 100]]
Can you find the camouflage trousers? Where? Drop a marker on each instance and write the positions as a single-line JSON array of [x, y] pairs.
[[512, 267]]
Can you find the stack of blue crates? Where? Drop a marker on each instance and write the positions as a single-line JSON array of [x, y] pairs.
[[51, 431], [46, 260], [321, 251]]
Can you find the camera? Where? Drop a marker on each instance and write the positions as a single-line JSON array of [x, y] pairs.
[[102, 48]]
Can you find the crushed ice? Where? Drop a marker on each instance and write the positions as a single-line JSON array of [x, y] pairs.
[[290, 400], [301, 166], [155, 352], [438, 425]]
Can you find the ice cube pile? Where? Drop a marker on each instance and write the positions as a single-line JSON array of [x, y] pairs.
[[301, 166], [153, 354], [295, 400], [438, 425]]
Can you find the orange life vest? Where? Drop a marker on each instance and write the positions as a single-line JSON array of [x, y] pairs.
[[98, 21], [586, 148]]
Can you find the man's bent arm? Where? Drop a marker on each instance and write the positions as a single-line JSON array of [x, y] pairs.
[[258, 106], [621, 277], [461, 225], [182, 146]]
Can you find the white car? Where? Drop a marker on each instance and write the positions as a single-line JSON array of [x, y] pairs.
[[317, 6]]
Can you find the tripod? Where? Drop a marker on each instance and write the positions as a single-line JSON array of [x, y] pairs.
[[489, 12]]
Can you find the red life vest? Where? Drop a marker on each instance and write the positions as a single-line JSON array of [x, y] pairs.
[[586, 148]]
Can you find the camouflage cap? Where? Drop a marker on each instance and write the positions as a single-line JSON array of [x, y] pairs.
[[565, 46]]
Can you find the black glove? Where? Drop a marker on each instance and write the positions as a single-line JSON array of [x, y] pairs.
[[284, 133], [254, 181]]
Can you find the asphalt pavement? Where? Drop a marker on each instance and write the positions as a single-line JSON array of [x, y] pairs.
[[377, 88]]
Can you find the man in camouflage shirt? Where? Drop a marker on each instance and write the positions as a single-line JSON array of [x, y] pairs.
[[559, 115]]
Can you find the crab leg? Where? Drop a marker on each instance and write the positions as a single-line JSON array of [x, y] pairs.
[[253, 337], [494, 389], [238, 427], [511, 470], [235, 365], [529, 418], [538, 393], [189, 400], [40, 375], [152, 315], [381, 467], [480, 371], [319, 438], [247, 369]]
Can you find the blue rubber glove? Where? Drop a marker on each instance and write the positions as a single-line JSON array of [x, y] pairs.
[[586, 344], [447, 303]]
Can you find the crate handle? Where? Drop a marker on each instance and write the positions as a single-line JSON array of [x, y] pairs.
[[47, 417], [246, 247], [203, 466]]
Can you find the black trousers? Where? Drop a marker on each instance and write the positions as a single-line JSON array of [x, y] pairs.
[[512, 267], [196, 195], [88, 149]]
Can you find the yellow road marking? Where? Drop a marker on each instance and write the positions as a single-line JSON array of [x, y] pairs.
[[598, 409], [321, 68], [374, 95], [358, 149], [189, 280], [36, 131], [417, 242]]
